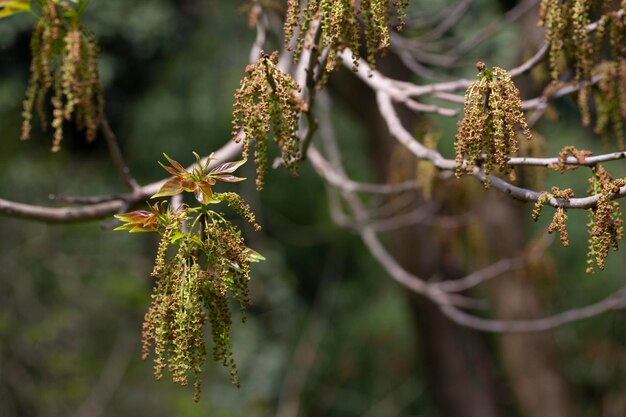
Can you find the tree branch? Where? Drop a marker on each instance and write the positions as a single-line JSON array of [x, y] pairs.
[[110, 204]]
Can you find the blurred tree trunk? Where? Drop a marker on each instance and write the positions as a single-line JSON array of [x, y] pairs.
[[461, 373], [530, 360]]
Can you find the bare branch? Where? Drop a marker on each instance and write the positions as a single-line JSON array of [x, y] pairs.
[[261, 33], [450, 20], [480, 276], [60, 214], [570, 160], [108, 206], [116, 155], [440, 293], [512, 15], [615, 301], [405, 138]]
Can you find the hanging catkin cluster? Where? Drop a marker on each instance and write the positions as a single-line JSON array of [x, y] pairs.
[[606, 227], [559, 220], [186, 296], [488, 132], [611, 100], [64, 61], [339, 26], [266, 105], [202, 260], [570, 33]]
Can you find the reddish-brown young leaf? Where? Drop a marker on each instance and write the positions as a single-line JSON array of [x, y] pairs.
[[138, 221], [181, 169], [203, 192], [227, 167], [171, 187], [188, 185], [228, 178], [171, 170]]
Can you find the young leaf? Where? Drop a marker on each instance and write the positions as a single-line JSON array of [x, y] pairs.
[[171, 187], [228, 178], [227, 167], [254, 256], [203, 192], [138, 221], [181, 169], [170, 170]]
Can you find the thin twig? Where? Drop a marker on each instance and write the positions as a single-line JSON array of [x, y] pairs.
[[116, 156]]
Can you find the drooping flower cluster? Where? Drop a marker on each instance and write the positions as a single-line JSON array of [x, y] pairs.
[[611, 100], [569, 28], [488, 133], [559, 219], [606, 227], [64, 61], [580, 155], [266, 105], [552, 16], [197, 269], [338, 22]]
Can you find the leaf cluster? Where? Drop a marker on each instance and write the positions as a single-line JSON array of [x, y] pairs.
[[201, 262]]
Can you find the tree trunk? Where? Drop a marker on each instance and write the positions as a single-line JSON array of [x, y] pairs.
[[460, 372]]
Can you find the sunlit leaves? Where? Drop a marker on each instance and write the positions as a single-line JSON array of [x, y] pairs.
[[198, 180]]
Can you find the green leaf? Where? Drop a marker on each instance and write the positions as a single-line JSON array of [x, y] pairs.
[[137, 216], [233, 265], [127, 226], [134, 228], [8, 8], [171, 187], [177, 236], [139, 228], [137, 221], [254, 256], [82, 6]]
